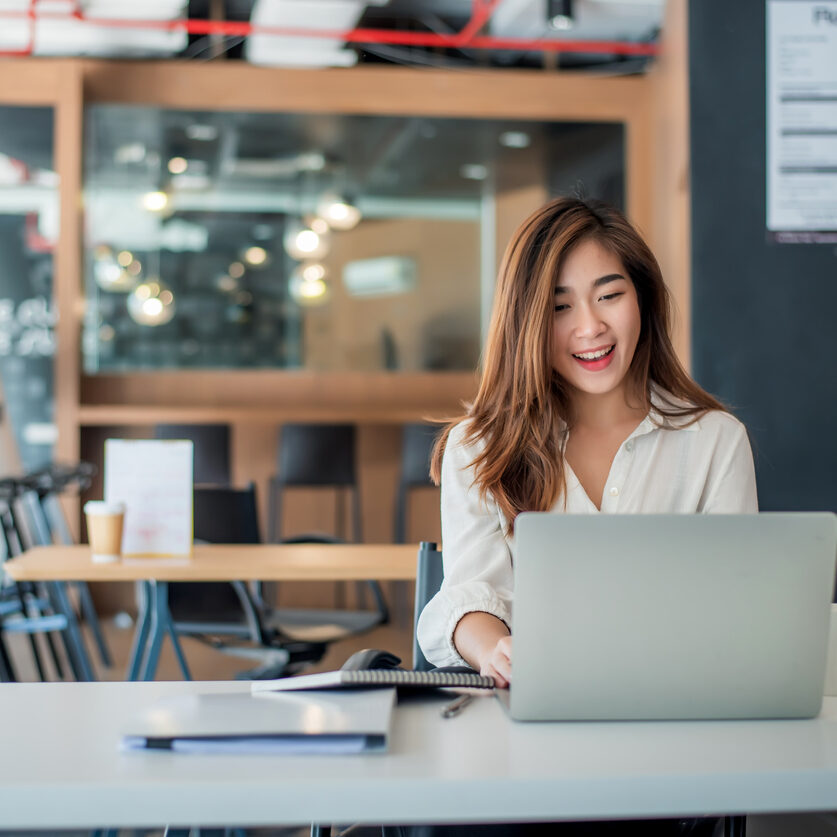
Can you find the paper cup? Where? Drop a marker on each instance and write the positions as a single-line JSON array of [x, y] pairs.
[[104, 530]]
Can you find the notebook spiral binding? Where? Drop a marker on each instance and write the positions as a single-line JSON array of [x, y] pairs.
[[397, 677]]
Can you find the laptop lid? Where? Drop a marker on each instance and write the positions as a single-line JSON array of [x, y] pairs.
[[671, 616]]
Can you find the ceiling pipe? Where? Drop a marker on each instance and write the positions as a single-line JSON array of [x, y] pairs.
[[30, 46], [467, 37]]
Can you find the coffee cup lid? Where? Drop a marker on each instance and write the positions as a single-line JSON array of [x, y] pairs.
[[103, 507]]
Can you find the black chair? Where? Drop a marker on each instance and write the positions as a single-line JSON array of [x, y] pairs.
[[23, 610], [321, 456], [417, 443], [33, 530], [325, 624], [316, 456], [49, 483], [211, 449], [429, 575], [225, 615]]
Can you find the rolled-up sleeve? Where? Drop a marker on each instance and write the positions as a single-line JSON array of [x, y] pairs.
[[476, 556]]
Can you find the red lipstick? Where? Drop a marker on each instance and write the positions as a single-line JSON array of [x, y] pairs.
[[599, 363]]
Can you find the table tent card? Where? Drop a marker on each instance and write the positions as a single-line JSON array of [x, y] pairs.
[[153, 478]]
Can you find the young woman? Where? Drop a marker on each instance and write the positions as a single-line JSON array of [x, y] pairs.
[[583, 408]]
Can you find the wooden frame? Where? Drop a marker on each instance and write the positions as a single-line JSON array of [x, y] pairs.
[[68, 85], [58, 84], [653, 108], [301, 395]]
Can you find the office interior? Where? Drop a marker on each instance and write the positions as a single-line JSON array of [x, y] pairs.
[[157, 187]]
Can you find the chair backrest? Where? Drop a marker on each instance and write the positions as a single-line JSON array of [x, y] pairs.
[[417, 442], [221, 515], [226, 515], [429, 575], [8, 531], [211, 449], [30, 520], [316, 454]]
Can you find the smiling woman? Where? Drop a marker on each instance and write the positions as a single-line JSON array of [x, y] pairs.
[[583, 407]]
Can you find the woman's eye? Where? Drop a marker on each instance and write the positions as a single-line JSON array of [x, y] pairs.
[[559, 308], [611, 296]]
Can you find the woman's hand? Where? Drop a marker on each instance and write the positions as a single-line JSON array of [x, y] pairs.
[[497, 663], [484, 643]]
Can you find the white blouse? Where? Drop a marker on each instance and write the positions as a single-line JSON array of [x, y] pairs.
[[704, 467]]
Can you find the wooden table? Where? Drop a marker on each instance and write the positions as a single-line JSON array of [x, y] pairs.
[[211, 562]]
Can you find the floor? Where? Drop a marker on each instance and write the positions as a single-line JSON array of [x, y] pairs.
[[204, 663]]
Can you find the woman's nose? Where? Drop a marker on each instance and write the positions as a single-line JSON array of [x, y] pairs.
[[588, 323]]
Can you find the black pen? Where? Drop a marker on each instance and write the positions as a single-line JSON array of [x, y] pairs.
[[456, 706]]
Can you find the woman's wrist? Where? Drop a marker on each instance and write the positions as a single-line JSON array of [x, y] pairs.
[[476, 635]]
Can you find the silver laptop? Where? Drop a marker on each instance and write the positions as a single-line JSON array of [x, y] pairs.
[[671, 616]]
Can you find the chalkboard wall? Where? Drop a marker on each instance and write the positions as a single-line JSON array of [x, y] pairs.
[[764, 315]]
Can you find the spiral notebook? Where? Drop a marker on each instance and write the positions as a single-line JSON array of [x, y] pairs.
[[375, 677]]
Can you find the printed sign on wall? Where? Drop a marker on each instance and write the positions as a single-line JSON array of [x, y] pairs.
[[802, 121]]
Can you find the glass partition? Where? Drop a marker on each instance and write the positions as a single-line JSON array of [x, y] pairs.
[[310, 241], [28, 232]]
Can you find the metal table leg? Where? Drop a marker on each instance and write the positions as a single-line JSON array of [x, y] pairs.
[[161, 625], [141, 632], [92, 618]]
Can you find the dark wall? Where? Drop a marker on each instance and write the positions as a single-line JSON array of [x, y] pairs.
[[764, 315]]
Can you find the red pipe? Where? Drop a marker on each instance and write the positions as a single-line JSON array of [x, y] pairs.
[[481, 11], [467, 37], [29, 48]]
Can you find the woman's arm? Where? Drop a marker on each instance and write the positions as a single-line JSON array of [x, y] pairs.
[[484, 642], [476, 557]]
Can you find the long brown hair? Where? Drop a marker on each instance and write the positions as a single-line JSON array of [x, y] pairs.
[[522, 402]]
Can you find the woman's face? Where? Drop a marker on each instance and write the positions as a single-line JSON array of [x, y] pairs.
[[596, 324]]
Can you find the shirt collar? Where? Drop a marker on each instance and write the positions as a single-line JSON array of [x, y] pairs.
[[655, 420]]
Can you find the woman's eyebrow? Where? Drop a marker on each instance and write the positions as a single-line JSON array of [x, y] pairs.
[[602, 280]]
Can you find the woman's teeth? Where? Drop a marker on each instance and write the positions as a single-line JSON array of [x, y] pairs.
[[593, 355]]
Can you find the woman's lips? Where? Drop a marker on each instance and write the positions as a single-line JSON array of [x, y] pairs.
[[597, 364]]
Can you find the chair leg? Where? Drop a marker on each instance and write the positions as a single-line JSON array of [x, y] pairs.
[[178, 652], [79, 661], [735, 826], [7, 671], [380, 602], [274, 510], [53, 651], [36, 656]]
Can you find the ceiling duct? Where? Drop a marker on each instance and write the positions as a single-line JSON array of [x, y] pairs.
[[90, 27], [300, 51], [583, 20]]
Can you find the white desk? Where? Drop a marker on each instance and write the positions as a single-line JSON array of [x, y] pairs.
[[61, 767]]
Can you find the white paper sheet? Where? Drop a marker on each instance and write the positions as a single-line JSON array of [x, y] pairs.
[[154, 480]]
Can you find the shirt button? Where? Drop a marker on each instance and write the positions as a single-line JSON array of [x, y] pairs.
[[629, 446], [614, 491]]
